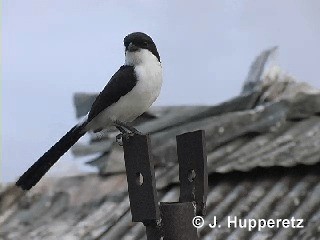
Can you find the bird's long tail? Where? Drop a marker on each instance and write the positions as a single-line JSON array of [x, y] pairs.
[[44, 163]]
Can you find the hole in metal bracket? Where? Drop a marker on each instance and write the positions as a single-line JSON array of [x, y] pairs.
[[139, 179], [191, 175]]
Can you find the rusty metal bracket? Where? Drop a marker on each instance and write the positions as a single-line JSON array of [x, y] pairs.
[[193, 173], [141, 179], [170, 220]]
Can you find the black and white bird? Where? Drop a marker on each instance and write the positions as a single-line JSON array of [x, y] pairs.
[[129, 93]]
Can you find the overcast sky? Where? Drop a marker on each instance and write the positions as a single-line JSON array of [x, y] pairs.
[[51, 49]]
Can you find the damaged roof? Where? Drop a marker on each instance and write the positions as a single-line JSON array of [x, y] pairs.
[[263, 150]]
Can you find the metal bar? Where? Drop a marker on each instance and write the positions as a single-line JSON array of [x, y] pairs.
[[154, 230], [141, 179], [176, 220], [193, 173], [172, 220]]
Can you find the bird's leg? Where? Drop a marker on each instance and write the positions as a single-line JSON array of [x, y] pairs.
[[123, 131], [126, 131], [126, 126]]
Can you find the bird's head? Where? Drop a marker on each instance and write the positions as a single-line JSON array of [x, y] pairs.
[[140, 48]]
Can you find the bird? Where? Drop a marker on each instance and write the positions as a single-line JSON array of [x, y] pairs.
[[128, 94]]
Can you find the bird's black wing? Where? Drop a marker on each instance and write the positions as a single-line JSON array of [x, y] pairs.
[[119, 85]]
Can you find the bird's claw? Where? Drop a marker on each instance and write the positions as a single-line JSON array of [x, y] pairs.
[[135, 131], [119, 139], [125, 135]]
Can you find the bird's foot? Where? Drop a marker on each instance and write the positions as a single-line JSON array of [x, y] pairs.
[[124, 135], [125, 128], [125, 132], [119, 139], [135, 131]]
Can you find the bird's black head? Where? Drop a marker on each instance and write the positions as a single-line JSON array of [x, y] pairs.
[[138, 40]]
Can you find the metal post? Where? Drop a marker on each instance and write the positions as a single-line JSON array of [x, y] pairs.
[[172, 221], [193, 174], [176, 221], [141, 183]]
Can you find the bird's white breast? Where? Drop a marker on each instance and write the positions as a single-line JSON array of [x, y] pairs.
[[141, 97]]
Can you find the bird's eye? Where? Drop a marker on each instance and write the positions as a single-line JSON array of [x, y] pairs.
[[145, 44]]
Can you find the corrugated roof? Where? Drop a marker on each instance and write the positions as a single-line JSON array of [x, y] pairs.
[[91, 207]]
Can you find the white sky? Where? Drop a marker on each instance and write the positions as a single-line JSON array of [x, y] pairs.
[[51, 49]]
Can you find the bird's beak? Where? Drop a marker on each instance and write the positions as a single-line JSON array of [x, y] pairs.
[[132, 48]]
